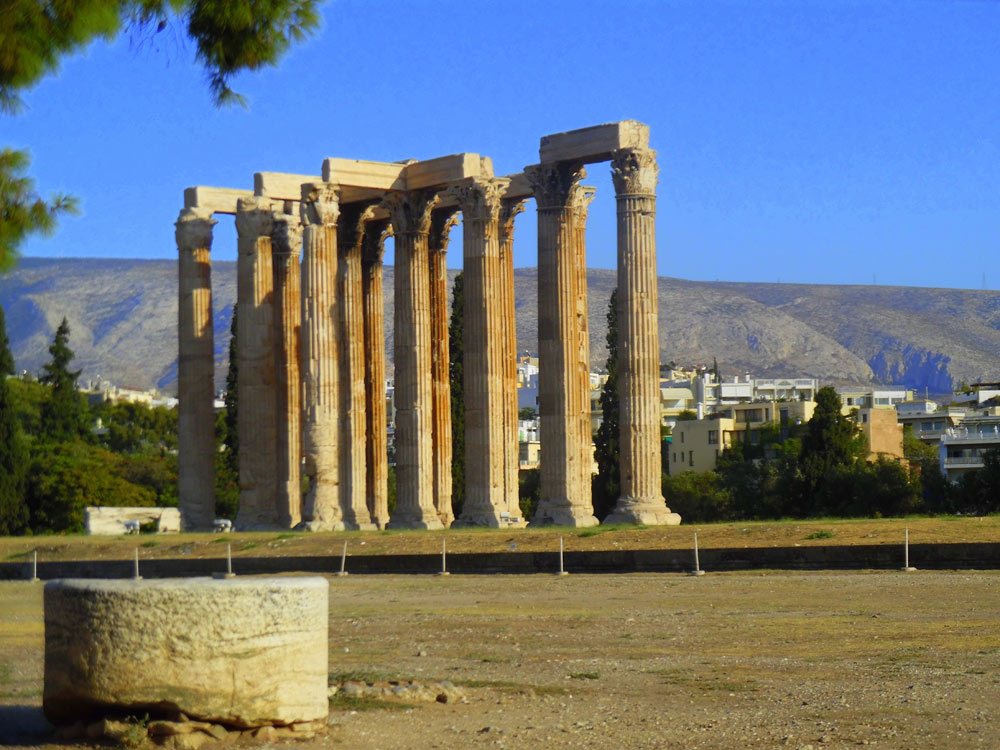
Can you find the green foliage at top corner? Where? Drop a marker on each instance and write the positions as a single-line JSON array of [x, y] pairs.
[[230, 36], [22, 211]]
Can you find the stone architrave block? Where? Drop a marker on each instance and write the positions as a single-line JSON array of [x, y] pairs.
[[219, 200], [593, 144], [242, 652]]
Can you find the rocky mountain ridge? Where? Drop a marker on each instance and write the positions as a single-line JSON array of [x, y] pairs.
[[123, 318]]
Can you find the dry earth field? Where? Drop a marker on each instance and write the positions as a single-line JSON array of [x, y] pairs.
[[890, 659]]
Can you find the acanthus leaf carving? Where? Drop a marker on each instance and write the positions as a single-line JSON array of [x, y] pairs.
[[443, 220], [193, 229], [286, 238], [634, 171], [410, 212], [553, 183], [320, 203], [254, 217], [480, 198]]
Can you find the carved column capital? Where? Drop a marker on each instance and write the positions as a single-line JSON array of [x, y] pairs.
[[509, 209], [553, 183], [634, 171], [373, 243], [351, 225], [286, 237], [580, 200], [254, 218], [480, 198], [320, 203], [443, 220], [410, 212], [193, 229]]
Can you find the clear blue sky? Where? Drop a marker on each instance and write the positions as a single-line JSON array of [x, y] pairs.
[[826, 141]]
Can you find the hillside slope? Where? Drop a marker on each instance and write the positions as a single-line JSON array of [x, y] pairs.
[[123, 317]]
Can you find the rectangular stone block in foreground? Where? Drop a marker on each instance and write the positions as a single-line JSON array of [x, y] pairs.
[[593, 144], [242, 652]]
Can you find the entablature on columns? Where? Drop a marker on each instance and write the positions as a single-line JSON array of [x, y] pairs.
[[594, 144]]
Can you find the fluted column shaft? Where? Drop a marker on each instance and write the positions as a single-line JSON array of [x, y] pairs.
[[320, 210], [376, 458], [486, 492], [581, 198], [256, 347], [410, 214], [442, 222], [195, 371], [561, 501], [634, 175], [353, 427], [286, 242], [508, 210]]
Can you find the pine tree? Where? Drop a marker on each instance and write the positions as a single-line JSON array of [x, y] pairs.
[[228, 38], [13, 453], [607, 483], [64, 411], [456, 329]]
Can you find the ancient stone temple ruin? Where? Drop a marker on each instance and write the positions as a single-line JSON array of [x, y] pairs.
[[312, 357]]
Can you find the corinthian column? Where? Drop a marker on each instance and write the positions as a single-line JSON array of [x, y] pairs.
[[410, 214], [485, 460], [581, 198], [376, 458], [353, 499], [442, 222], [286, 244], [320, 209], [195, 371], [562, 502], [256, 347], [634, 174], [509, 209]]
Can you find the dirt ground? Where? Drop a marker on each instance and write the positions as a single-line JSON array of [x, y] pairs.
[[801, 660], [723, 535]]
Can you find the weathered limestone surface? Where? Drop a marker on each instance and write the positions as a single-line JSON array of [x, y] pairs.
[[376, 456], [410, 214], [442, 222], [580, 200], [562, 501], [593, 144], [108, 520], [509, 209], [353, 426], [195, 370], [214, 200], [257, 392], [486, 490], [634, 174], [320, 211], [286, 244], [243, 652]]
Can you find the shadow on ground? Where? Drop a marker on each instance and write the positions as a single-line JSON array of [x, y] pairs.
[[23, 724]]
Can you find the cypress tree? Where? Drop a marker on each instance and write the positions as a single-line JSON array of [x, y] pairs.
[[13, 453], [232, 440], [63, 412], [456, 328], [607, 483]]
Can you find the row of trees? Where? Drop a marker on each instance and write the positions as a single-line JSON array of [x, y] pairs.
[[59, 455]]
